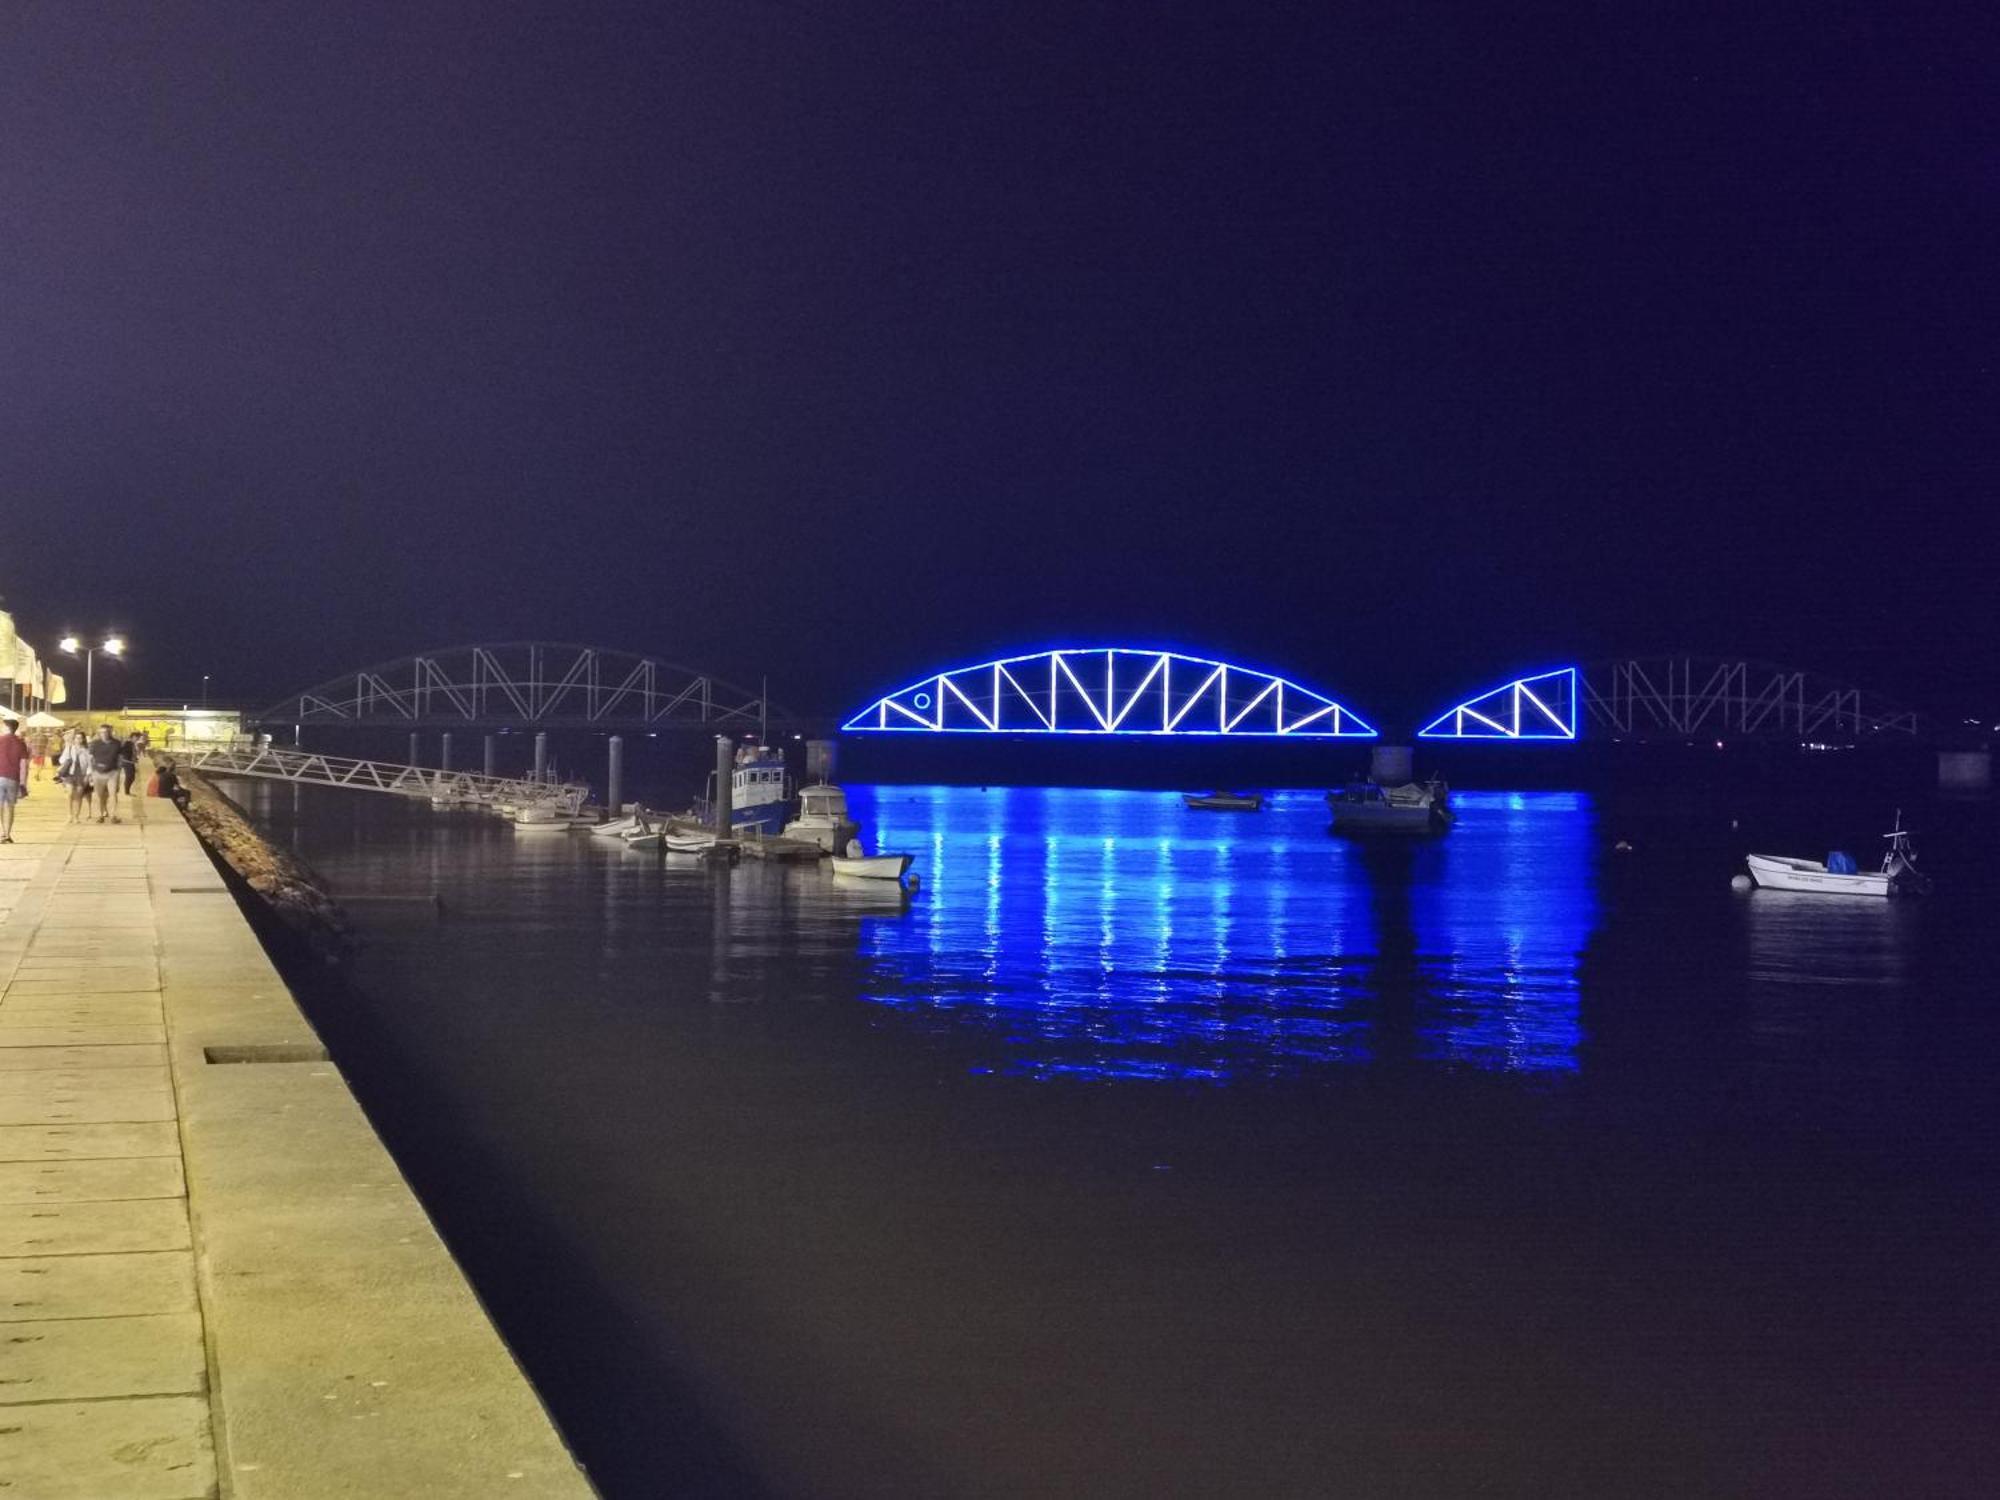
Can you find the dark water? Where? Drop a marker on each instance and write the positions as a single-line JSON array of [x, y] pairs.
[[1147, 1152]]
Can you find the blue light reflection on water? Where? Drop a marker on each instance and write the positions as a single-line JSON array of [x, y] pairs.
[[1117, 934]]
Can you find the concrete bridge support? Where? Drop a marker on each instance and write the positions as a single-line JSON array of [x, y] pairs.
[[614, 774], [444, 751], [541, 752], [415, 749], [489, 755], [1390, 765], [725, 762], [1965, 770]]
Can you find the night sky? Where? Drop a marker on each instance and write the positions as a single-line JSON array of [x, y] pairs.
[[1374, 344]]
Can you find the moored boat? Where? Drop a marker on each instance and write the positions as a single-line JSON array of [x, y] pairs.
[[542, 817], [1221, 801], [823, 818], [759, 790], [1413, 807], [1839, 874], [872, 866]]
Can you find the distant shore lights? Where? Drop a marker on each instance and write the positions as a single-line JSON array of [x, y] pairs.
[[1542, 707], [1105, 691]]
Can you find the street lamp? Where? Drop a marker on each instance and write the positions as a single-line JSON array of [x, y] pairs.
[[112, 645], [204, 690]]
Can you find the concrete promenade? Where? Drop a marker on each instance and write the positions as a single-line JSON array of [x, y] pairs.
[[213, 1279]]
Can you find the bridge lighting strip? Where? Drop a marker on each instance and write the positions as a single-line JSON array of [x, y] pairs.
[[1453, 719], [1110, 717]]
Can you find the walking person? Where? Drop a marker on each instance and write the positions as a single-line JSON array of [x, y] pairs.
[[73, 771], [128, 766], [105, 753], [13, 774]]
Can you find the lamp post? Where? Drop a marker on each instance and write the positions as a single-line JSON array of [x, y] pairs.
[[112, 645], [204, 690]]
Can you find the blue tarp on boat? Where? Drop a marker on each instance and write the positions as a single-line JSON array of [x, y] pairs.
[[1840, 862]]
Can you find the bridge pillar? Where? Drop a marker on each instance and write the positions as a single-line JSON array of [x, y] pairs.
[[541, 752], [614, 774], [444, 751], [489, 755], [820, 760], [725, 762], [1390, 765], [1965, 770], [414, 752]]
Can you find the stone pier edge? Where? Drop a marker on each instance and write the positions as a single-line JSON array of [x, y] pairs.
[[347, 1353]]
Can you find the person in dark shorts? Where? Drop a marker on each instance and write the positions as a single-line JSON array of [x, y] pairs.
[[13, 774], [106, 751]]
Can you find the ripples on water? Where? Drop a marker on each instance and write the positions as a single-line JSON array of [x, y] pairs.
[[1142, 1139], [1117, 934]]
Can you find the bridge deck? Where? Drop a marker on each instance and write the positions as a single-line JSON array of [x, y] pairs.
[[310, 768]]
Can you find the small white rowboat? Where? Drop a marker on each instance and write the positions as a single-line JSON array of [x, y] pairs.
[[1778, 874], [1899, 872], [873, 866], [1225, 801]]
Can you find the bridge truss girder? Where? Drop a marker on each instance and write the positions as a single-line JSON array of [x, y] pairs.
[[526, 685], [1689, 697]]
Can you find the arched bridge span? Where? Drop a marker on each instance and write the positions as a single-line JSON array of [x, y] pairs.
[[1114, 690], [527, 684]]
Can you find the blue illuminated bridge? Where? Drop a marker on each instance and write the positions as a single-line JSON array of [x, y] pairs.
[[1119, 690], [1106, 691]]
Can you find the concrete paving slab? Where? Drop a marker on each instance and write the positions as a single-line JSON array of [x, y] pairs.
[[41, 1012], [89, 974], [102, 1106], [143, 1006], [152, 1449], [41, 963], [102, 1181], [34, 1059], [46, 1010], [17, 1084], [96, 1286], [94, 1228], [80, 1036], [89, 1142], [93, 979], [86, 1359]]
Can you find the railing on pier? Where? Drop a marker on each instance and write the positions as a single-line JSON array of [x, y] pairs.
[[310, 768]]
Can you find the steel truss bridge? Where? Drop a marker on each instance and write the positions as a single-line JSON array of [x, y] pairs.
[[308, 768], [1667, 698], [1109, 691], [527, 685]]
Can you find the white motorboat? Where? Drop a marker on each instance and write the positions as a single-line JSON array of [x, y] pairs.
[[618, 828], [1413, 807], [646, 838], [823, 818], [871, 866], [687, 841], [542, 818], [1840, 875], [1220, 801]]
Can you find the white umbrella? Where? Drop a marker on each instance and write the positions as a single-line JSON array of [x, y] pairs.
[[42, 719]]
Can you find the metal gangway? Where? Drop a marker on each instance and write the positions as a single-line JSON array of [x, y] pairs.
[[310, 768]]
